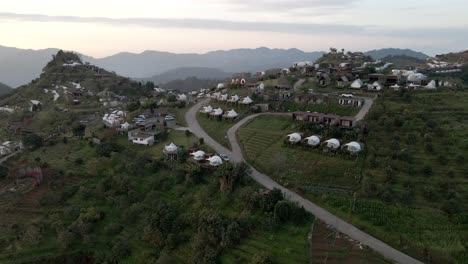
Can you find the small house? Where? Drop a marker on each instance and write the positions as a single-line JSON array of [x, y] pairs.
[[375, 87], [35, 106], [141, 138], [350, 102], [330, 120], [347, 122]]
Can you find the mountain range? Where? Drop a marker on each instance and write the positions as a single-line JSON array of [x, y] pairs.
[[20, 66]]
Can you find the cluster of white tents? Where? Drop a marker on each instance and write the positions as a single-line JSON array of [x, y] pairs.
[[114, 119], [331, 144], [200, 156], [231, 99], [219, 112]]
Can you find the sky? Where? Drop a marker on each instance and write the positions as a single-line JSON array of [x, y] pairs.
[[102, 28]]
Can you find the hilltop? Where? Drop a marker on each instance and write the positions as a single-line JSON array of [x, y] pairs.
[[402, 61], [382, 53], [67, 89], [456, 57]]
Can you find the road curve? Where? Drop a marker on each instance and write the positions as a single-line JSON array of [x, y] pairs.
[[322, 214]]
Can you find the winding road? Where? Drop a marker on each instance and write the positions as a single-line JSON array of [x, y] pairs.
[[339, 224]]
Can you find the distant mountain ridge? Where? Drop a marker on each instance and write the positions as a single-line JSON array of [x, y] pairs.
[[150, 63], [4, 89], [382, 53], [187, 72], [19, 66]]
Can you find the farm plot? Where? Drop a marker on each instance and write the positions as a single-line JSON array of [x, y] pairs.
[[303, 169], [286, 245]]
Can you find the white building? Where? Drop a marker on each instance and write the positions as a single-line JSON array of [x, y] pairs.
[[141, 138]]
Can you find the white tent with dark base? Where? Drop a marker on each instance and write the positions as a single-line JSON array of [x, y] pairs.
[[332, 144], [215, 161], [353, 147], [313, 141], [294, 138]]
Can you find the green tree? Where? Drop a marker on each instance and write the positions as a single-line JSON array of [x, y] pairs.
[[79, 130], [33, 141]]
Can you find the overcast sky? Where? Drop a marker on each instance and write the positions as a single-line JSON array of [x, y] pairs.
[[104, 27]]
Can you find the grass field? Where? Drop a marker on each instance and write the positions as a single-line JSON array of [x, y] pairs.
[[333, 89], [287, 245], [414, 167], [216, 128], [295, 167]]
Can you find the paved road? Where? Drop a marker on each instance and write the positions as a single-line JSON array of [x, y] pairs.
[[298, 84], [322, 214], [368, 102]]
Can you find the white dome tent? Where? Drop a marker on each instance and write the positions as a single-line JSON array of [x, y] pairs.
[[216, 95], [432, 85], [223, 97], [232, 114], [215, 161], [294, 138], [171, 149], [417, 78], [207, 109], [313, 141], [220, 86], [261, 87], [198, 155], [182, 98], [357, 84], [234, 99], [217, 112], [353, 147], [246, 101], [332, 144]]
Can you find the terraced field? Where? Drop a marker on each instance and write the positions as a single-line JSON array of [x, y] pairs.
[[293, 236], [303, 169]]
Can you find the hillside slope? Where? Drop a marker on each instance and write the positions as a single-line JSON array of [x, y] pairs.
[[382, 53], [187, 72], [4, 89]]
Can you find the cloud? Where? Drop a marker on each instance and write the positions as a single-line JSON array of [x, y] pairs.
[[290, 5], [297, 28], [440, 37]]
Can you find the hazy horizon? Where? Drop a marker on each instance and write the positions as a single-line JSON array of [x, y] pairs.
[[184, 26]]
